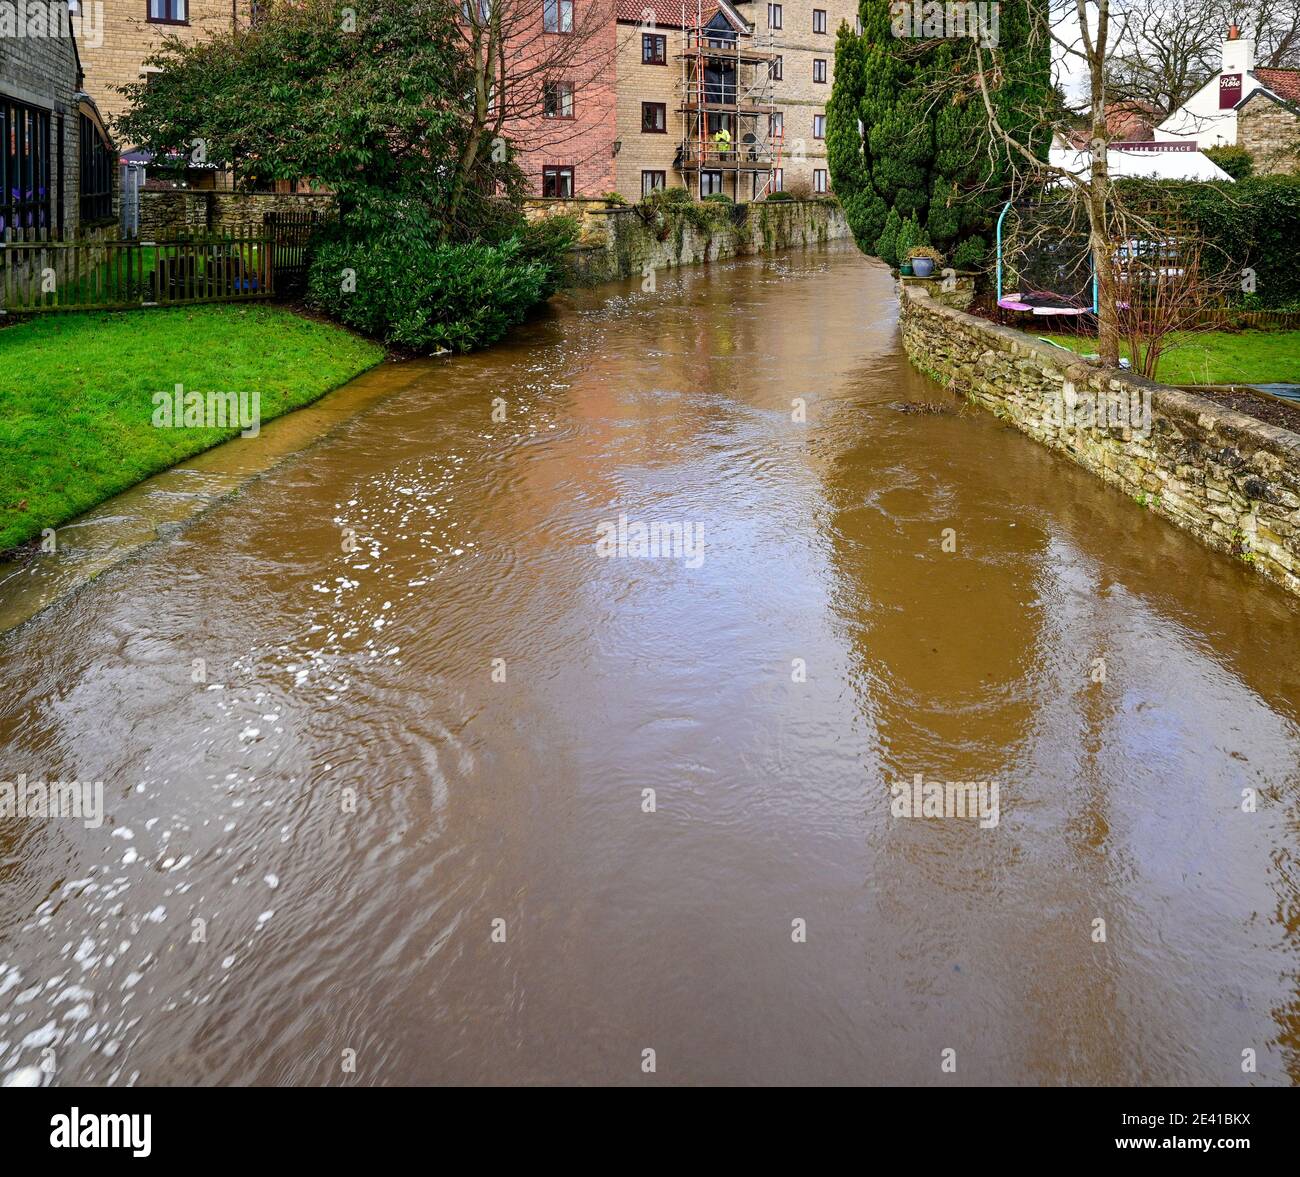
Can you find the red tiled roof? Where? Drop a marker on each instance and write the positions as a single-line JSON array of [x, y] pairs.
[[1285, 83], [667, 13]]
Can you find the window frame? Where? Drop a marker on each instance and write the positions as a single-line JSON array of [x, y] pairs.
[[721, 178], [819, 126], [169, 7], [564, 88], [96, 161], [821, 182], [776, 68], [663, 180], [775, 11], [660, 43], [30, 165], [819, 12], [560, 8], [776, 124], [556, 172], [819, 62], [662, 109]]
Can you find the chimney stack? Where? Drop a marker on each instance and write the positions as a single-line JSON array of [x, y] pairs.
[[1238, 53]]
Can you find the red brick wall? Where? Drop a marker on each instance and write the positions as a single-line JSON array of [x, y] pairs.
[[586, 60]]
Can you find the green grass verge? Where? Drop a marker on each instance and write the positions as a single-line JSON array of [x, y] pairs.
[[1219, 357], [76, 395]]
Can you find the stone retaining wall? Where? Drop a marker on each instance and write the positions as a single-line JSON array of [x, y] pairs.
[[1230, 480], [622, 242], [166, 212]]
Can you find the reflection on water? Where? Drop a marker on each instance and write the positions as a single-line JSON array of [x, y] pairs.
[[396, 763]]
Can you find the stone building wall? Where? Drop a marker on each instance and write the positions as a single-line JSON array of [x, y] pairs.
[[796, 94], [1270, 131], [1228, 479], [129, 37], [637, 83], [41, 71]]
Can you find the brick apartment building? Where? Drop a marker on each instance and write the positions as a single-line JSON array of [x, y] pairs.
[[639, 103], [685, 70], [562, 83], [58, 167]]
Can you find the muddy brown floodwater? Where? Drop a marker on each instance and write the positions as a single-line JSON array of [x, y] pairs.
[[305, 854]]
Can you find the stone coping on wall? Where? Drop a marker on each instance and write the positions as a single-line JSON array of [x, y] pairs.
[[1229, 479]]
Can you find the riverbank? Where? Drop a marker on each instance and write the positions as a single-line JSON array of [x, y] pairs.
[[79, 421], [1230, 480]]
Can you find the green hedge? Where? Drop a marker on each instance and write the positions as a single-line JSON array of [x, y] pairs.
[[1253, 223], [407, 289]]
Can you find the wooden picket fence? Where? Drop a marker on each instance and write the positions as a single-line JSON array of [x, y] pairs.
[[38, 276]]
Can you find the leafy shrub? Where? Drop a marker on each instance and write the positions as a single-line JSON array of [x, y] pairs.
[[614, 199], [719, 198], [546, 241], [910, 233], [887, 242], [799, 189], [1252, 224], [971, 254], [670, 196], [778, 196], [1236, 161], [415, 293]]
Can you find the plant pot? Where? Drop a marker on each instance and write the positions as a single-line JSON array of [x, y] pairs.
[[905, 269], [923, 267]]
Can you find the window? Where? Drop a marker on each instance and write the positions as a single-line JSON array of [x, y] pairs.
[[819, 20], [557, 181], [654, 118], [819, 69], [773, 16], [557, 16], [652, 180], [654, 49], [710, 182], [97, 163], [557, 100], [169, 12], [819, 126], [778, 179], [819, 179], [775, 125], [24, 167], [774, 70]]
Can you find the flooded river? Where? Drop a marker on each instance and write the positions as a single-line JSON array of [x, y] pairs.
[[408, 780]]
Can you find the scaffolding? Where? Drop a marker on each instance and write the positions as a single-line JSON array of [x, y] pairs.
[[726, 86]]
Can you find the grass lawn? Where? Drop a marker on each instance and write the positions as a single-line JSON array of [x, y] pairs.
[[76, 395], [1219, 357]]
